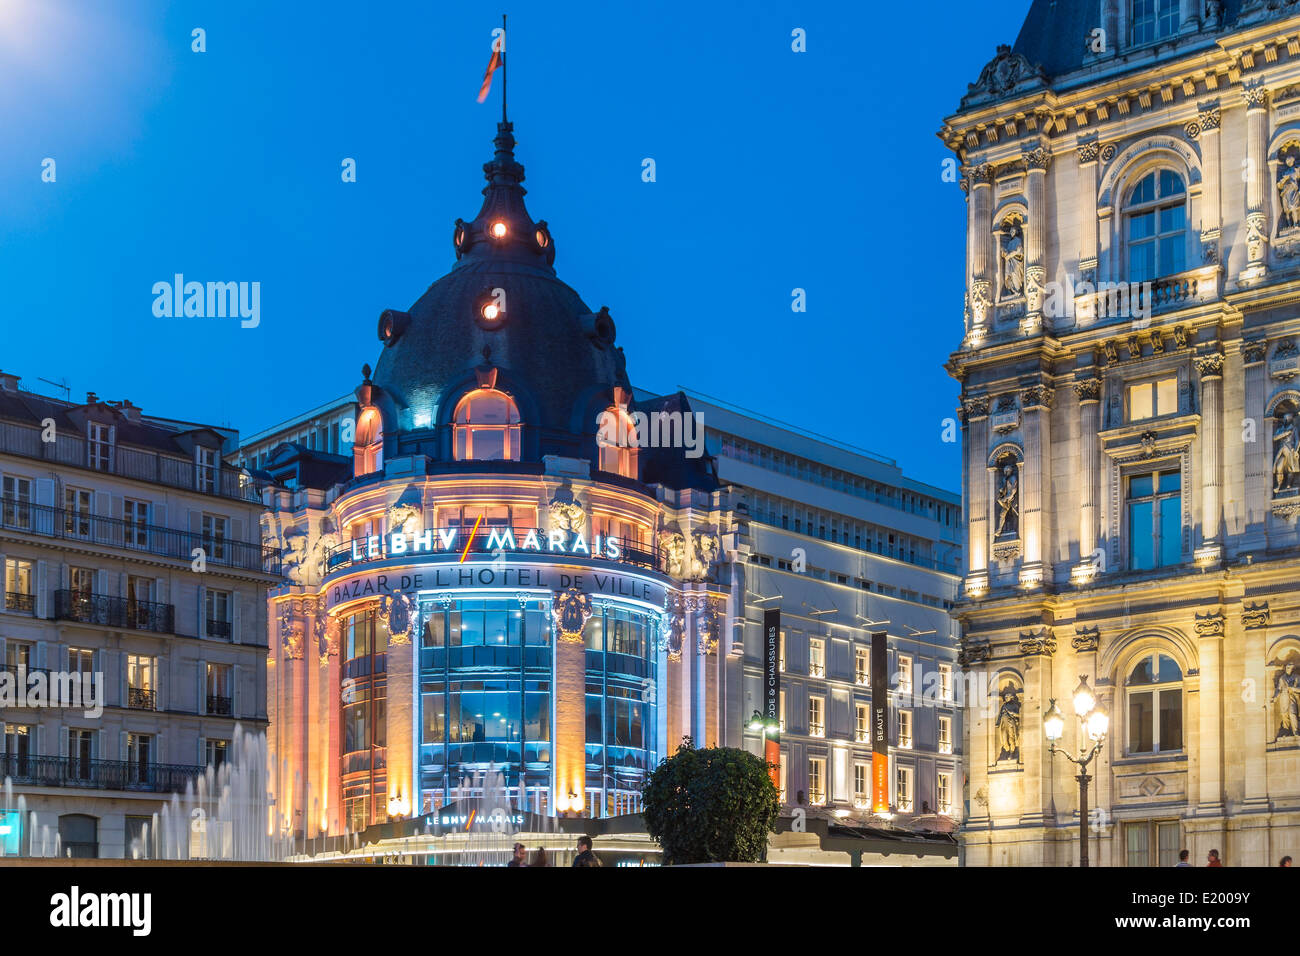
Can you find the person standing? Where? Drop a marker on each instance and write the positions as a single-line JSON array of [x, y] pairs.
[[518, 858], [1182, 858], [1286, 861], [1213, 859], [585, 857], [539, 857]]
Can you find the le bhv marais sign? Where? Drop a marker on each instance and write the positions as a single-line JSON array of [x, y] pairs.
[[496, 576]]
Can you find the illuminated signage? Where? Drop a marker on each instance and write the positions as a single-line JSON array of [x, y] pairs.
[[431, 541], [880, 722], [500, 821], [450, 575]]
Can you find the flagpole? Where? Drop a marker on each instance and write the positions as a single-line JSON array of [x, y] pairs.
[[505, 72]]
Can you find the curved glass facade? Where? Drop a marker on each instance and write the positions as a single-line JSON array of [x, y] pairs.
[[363, 717], [486, 677]]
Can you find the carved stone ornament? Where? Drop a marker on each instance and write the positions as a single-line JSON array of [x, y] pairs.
[[1037, 158], [566, 513], [1256, 239], [1038, 641], [1286, 694], [1003, 74], [294, 559], [1180, 337], [1285, 364], [1008, 723], [1255, 616], [326, 542], [1256, 97], [1254, 352], [290, 618], [1088, 389], [972, 652], [980, 297], [1210, 366], [571, 609], [327, 636], [1285, 423], [708, 625], [1086, 638], [402, 617], [1035, 280], [1210, 625], [1088, 152], [1149, 440], [1157, 343], [1108, 152], [976, 407], [1006, 417], [672, 547], [1037, 396], [1110, 352], [1208, 119], [707, 547], [672, 625]]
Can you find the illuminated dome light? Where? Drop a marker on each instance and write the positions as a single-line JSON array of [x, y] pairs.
[[491, 311], [542, 238], [498, 230]]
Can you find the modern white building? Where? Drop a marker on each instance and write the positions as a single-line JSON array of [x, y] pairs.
[[133, 561]]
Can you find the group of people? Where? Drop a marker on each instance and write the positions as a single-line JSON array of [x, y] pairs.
[[1212, 859], [584, 858]]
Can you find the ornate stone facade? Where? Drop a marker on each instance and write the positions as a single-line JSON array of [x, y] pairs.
[[1145, 501]]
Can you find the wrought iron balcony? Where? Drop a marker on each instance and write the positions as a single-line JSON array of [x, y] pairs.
[[51, 522], [219, 705], [75, 771], [218, 628], [113, 611], [140, 699], [18, 601]]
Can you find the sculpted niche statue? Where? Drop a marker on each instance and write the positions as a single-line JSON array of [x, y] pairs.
[[1286, 449], [1013, 262], [1008, 501], [1288, 188], [1286, 696], [1008, 725]]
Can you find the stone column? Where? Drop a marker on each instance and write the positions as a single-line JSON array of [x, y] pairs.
[[1211, 202], [980, 238], [1257, 191], [1210, 368], [570, 730], [1251, 628], [976, 411], [1037, 404], [1259, 460], [1036, 163], [400, 715], [1089, 392], [1209, 750], [1087, 211]]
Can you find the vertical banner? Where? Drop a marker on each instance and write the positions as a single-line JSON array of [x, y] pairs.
[[879, 722], [772, 694]]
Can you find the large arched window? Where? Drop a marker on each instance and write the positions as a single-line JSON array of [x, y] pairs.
[[1155, 226], [617, 439], [368, 443], [1155, 705], [487, 427]]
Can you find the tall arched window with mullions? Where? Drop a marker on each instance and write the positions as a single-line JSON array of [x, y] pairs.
[[487, 427], [1155, 226], [1155, 705]]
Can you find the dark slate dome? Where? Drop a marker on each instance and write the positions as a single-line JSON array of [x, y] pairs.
[[554, 356]]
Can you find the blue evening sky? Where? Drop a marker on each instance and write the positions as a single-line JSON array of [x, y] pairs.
[[775, 170]]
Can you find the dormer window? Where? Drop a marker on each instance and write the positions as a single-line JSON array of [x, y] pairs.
[[617, 439], [205, 470], [1154, 20], [99, 446], [486, 427], [368, 442]]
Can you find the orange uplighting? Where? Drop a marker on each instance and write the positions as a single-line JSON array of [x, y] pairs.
[[498, 230], [491, 311]]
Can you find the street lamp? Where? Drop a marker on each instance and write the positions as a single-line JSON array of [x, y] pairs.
[[765, 726], [1093, 720]]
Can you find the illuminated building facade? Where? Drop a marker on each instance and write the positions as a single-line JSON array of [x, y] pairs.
[[507, 561], [1130, 408]]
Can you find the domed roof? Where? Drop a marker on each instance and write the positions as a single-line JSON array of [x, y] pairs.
[[556, 358]]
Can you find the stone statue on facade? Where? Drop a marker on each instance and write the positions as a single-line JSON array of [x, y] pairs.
[[1008, 501], [294, 555], [1008, 725], [1288, 187], [1286, 695], [1286, 450], [672, 544], [1013, 263]]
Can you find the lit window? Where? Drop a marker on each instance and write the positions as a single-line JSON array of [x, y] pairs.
[[215, 532], [1156, 226], [816, 657], [904, 674], [861, 785], [903, 790], [17, 504], [816, 719], [904, 730], [862, 723], [861, 666], [76, 512], [943, 792], [780, 659], [1153, 399], [99, 446], [945, 682], [1155, 520], [945, 735], [782, 715], [1155, 706], [368, 442], [487, 427], [817, 781], [617, 440]]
